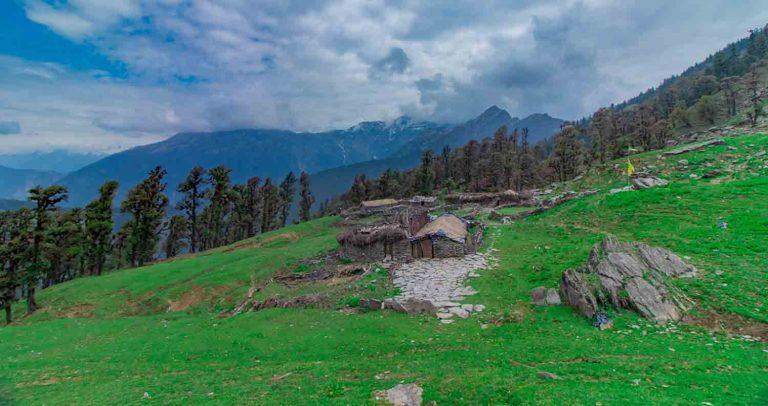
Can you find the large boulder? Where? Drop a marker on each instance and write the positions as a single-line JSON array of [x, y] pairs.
[[631, 276]]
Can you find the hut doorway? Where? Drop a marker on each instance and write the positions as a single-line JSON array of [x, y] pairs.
[[423, 249]]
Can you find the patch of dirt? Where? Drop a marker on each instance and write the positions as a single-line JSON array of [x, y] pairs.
[[289, 236], [730, 323], [306, 301], [85, 310], [322, 273], [48, 381], [193, 297]]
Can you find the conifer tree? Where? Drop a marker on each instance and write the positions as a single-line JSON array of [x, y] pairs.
[[98, 228], [177, 233], [146, 204], [426, 177], [15, 233], [287, 191], [46, 200], [269, 207], [307, 200], [193, 191], [218, 210]]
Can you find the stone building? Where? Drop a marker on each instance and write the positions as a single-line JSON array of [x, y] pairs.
[[376, 243], [446, 236]]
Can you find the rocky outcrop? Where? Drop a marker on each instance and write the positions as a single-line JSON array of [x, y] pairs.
[[695, 147], [645, 181], [631, 276]]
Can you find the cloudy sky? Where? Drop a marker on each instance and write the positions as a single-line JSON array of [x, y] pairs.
[[95, 75]]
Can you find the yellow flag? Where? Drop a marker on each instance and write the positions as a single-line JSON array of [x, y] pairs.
[[630, 168]]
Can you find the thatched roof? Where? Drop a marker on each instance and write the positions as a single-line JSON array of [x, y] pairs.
[[363, 236], [448, 226], [378, 203]]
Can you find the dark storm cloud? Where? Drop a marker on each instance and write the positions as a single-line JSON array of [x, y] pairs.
[[395, 62]]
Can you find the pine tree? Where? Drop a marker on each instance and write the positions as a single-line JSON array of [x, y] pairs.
[[177, 233], [426, 177], [193, 190], [567, 155], [220, 206], [45, 199], [65, 246], [307, 200], [146, 204], [286, 194], [269, 207], [254, 203], [15, 233], [98, 228]]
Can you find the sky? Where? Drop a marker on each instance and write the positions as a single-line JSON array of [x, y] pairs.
[[102, 76]]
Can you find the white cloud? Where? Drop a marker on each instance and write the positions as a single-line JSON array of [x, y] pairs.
[[307, 64]]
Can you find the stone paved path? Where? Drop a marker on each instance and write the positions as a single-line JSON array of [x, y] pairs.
[[441, 282]]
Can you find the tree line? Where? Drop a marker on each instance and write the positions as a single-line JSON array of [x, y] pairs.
[[46, 244], [729, 86]]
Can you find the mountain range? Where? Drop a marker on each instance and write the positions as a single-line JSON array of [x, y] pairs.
[[14, 183], [332, 157]]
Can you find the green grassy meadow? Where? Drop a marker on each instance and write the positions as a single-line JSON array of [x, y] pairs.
[[154, 334]]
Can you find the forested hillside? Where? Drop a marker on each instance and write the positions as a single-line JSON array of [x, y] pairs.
[[727, 90]]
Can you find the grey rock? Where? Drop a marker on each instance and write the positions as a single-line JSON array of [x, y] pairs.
[[553, 298], [695, 147], [402, 395], [542, 296], [578, 293], [647, 181], [539, 296], [372, 304], [628, 276]]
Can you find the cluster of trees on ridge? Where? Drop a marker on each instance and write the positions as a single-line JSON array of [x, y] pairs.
[[46, 244], [728, 86]]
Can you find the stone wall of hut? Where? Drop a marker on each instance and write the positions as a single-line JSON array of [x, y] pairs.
[[445, 248], [378, 251], [365, 253]]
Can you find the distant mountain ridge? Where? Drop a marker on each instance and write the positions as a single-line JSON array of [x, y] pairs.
[[14, 183], [332, 182], [57, 160], [273, 153]]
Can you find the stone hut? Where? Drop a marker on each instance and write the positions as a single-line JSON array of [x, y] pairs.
[[446, 236], [421, 201], [376, 243]]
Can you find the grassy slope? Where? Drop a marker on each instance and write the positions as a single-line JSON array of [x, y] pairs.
[[324, 356]]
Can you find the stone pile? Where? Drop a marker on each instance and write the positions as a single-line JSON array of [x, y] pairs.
[[436, 286], [629, 276]]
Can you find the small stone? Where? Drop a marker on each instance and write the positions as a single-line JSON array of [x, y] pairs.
[[444, 315], [479, 308], [467, 307], [402, 395], [446, 321], [553, 298], [459, 312], [546, 375], [539, 296]]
